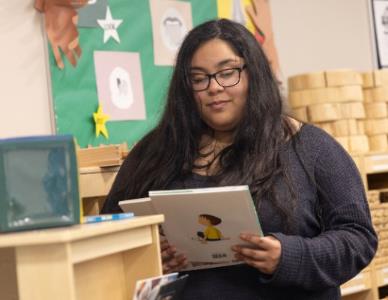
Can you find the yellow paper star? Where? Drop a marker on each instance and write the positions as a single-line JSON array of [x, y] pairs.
[[100, 119]]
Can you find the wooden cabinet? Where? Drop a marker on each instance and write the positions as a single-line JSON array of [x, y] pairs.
[[360, 283], [374, 171], [382, 276], [90, 261], [95, 183]]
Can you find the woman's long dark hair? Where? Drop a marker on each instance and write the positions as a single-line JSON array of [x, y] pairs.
[[168, 152]]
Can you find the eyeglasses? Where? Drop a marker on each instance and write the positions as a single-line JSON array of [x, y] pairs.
[[225, 78]]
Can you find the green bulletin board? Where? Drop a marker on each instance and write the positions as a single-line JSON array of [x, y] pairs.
[[74, 88]]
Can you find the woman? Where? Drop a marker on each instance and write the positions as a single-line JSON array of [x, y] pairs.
[[224, 125]]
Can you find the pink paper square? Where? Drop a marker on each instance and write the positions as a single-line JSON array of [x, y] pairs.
[[120, 85]]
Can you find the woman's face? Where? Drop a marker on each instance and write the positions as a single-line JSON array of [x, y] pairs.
[[221, 108]]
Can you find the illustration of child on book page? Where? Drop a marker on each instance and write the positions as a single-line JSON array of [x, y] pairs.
[[211, 233]]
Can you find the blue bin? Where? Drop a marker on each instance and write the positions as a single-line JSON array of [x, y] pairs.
[[38, 183]]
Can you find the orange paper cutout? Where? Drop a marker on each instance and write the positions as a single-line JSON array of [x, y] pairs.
[[259, 13], [61, 27]]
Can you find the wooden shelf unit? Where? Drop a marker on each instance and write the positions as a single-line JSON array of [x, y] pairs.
[[95, 183], [90, 261], [360, 283], [373, 167]]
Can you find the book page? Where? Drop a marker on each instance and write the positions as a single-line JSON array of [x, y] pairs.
[[205, 223]]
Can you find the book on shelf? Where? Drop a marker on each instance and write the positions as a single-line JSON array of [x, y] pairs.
[[202, 223], [165, 287]]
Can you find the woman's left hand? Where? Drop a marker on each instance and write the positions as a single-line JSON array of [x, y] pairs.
[[263, 253]]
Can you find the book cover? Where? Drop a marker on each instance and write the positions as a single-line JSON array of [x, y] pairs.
[[165, 287], [139, 207], [205, 223]]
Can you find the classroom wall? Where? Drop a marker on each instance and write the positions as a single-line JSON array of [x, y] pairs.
[[310, 35], [313, 35], [24, 93]]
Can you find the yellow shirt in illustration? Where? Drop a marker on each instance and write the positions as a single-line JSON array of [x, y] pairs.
[[212, 233]]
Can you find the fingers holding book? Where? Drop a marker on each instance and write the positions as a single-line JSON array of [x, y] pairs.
[[171, 260], [262, 253]]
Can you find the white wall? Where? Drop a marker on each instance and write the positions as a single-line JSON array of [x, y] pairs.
[[315, 35], [24, 95], [311, 35]]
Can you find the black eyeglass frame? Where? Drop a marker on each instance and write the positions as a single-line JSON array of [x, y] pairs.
[[210, 76]]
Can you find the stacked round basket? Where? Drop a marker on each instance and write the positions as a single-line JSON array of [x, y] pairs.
[[351, 106], [376, 108]]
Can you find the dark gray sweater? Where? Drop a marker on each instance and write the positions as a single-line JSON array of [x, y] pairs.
[[318, 253]]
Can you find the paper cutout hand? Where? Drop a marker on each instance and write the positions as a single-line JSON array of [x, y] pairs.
[[61, 27], [260, 15]]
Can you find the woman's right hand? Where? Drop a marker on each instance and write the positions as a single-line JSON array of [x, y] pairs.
[[171, 261]]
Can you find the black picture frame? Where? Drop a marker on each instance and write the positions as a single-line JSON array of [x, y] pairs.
[[379, 13]]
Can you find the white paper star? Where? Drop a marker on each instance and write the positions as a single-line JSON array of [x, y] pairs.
[[110, 26]]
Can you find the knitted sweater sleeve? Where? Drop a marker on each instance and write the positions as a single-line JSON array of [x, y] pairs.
[[348, 241]]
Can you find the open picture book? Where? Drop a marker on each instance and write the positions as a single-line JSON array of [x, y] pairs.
[[202, 223]]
